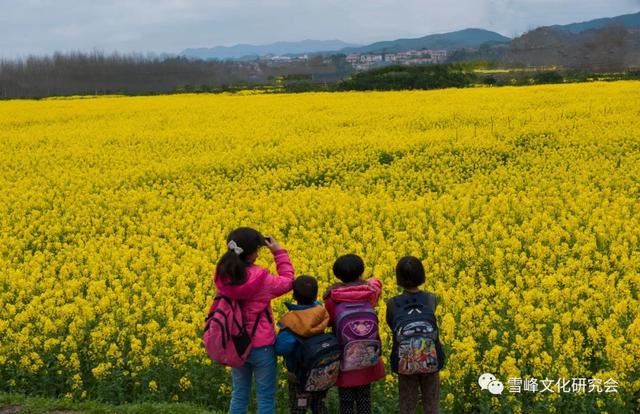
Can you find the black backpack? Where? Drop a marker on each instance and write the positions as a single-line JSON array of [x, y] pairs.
[[417, 348], [317, 362]]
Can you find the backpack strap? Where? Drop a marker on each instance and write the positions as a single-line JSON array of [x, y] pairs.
[[212, 310], [255, 324], [266, 311], [431, 301]]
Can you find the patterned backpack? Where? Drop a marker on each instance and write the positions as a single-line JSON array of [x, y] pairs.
[[317, 362], [416, 337], [357, 330]]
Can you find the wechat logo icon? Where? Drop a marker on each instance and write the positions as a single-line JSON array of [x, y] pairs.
[[489, 382]]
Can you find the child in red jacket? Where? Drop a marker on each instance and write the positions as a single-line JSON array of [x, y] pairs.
[[354, 387]]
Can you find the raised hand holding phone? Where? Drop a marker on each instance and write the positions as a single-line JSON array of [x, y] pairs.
[[271, 243]]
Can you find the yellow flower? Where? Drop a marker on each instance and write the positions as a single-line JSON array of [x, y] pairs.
[[184, 383]]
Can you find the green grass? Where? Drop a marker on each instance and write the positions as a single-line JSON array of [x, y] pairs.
[[37, 405]]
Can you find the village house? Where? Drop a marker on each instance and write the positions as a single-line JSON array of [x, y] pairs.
[[364, 61]]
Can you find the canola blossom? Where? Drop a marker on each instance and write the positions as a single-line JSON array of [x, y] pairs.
[[522, 203]]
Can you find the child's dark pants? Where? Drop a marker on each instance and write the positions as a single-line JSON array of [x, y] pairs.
[[300, 402], [358, 396], [429, 385]]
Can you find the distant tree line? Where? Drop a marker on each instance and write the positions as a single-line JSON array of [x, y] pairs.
[[411, 77], [545, 76], [64, 74], [97, 74]]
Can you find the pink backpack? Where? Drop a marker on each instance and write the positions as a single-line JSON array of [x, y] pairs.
[[225, 337]]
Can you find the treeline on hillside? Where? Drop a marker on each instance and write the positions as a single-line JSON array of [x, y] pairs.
[[609, 49]]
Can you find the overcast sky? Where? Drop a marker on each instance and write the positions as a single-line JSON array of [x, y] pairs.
[[44, 26]]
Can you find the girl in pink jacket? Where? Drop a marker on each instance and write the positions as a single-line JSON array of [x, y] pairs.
[[237, 277], [354, 387]]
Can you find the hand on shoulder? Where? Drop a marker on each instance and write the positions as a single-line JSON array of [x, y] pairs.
[[375, 282]]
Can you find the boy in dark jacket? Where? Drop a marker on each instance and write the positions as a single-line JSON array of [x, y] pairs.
[[409, 276], [305, 319]]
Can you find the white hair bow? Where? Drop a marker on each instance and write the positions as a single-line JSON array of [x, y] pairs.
[[232, 245]]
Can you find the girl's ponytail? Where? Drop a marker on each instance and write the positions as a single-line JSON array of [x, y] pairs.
[[242, 243], [233, 267]]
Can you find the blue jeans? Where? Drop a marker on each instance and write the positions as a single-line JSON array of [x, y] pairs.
[[262, 361]]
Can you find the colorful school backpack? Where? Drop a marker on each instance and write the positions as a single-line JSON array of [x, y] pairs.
[[357, 330], [225, 336], [415, 330], [317, 362]]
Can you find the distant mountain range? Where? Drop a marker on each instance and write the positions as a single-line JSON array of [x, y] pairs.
[[278, 48], [454, 40], [467, 38]]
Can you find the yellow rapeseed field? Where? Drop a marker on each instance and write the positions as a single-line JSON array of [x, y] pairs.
[[523, 203]]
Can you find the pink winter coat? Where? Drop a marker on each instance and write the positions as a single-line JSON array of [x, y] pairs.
[[256, 294], [359, 291]]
